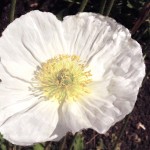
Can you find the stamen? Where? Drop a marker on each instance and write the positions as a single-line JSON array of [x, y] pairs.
[[63, 78]]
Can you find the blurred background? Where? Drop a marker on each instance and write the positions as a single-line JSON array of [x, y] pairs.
[[132, 133]]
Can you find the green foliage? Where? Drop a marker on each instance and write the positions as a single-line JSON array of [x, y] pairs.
[[38, 147], [78, 142], [2, 145], [129, 5]]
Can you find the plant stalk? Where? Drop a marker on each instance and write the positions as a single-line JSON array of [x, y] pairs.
[[110, 5], [145, 12], [102, 6], [83, 5], [12, 10], [121, 131]]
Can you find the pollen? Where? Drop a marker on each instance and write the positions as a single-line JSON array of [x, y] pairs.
[[63, 78]]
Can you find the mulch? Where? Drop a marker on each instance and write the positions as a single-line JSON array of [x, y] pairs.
[[137, 133]]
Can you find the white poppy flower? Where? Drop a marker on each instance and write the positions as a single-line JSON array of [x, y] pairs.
[[83, 72]]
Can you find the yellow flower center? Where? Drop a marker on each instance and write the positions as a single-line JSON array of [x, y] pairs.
[[63, 78]]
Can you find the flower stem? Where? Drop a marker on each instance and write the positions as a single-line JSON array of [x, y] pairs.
[[145, 12], [110, 5], [83, 5], [102, 6], [63, 143], [12, 11], [48, 146], [121, 131]]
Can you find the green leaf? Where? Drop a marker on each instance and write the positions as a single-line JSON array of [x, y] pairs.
[[3, 147], [129, 4], [77, 143], [1, 139], [38, 147]]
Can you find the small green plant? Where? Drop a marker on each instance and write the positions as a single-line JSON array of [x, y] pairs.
[[38, 147], [77, 142]]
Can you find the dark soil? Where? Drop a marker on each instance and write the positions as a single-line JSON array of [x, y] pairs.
[[137, 132]]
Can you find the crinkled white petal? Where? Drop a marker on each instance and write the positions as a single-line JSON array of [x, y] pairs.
[[22, 105], [88, 33], [100, 41], [15, 96], [117, 68], [29, 41], [17, 104], [34, 125], [101, 114], [74, 116], [12, 90], [93, 111], [10, 82], [61, 128]]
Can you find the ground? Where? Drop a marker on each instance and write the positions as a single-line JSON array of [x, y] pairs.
[[137, 132]]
